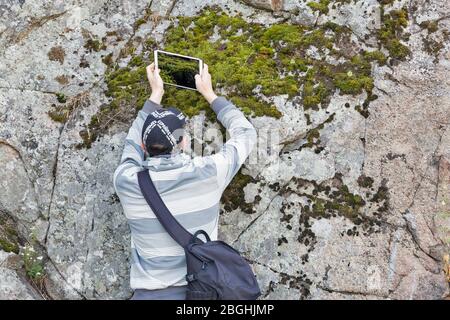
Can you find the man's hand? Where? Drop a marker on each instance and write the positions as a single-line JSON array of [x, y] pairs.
[[156, 83], [204, 84]]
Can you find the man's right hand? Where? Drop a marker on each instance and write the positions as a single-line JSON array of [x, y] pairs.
[[204, 84], [156, 83]]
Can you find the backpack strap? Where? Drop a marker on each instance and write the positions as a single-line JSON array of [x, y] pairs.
[[172, 226]]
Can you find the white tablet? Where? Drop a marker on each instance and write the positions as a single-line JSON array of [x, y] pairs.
[[178, 70]]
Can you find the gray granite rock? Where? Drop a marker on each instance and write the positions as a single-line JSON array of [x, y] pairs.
[[65, 191], [13, 285]]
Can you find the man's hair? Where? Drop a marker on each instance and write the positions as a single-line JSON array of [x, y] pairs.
[[158, 149]]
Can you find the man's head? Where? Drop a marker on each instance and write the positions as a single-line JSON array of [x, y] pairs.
[[163, 130]]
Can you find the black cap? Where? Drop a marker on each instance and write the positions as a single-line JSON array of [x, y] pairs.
[[163, 130]]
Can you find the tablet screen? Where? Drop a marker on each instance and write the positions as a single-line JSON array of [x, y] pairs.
[[177, 70]]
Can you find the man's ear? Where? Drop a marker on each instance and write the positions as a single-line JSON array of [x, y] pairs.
[[183, 143], [144, 149]]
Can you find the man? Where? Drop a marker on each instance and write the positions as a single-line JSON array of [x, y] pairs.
[[190, 188]]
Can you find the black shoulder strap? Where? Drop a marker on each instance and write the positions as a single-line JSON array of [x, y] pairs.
[[151, 195]]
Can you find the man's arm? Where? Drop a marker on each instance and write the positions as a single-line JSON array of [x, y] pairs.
[[133, 153], [242, 133], [241, 142]]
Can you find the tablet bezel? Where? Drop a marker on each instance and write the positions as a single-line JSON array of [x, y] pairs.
[[200, 65]]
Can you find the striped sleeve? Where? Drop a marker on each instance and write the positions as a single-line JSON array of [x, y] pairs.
[[238, 147]]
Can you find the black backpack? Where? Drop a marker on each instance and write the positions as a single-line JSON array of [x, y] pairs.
[[215, 270]]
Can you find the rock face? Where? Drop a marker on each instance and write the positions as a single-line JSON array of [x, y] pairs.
[[13, 286], [352, 202]]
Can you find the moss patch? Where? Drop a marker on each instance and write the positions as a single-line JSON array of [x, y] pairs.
[[108, 59], [8, 246], [234, 197], [300, 282], [332, 198], [313, 136], [61, 97], [386, 2], [365, 182], [94, 45], [430, 25], [147, 14], [392, 33], [62, 80], [9, 239], [433, 46], [61, 111], [57, 54], [321, 6], [248, 61]]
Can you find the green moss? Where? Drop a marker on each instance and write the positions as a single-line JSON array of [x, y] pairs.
[[62, 111], [430, 25], [136, 61], [314, 93], [9, 238], [253, 107], [350, 83], [186, 100], [386, 2], [86, 137], [8, 246], [332, 198], [391, 33], [61, 97], [358, 70], [294, 64], [128, 86], [150, 44], [108, 59], [362, 110], [433, 47], [94, 45], [365, 182], [381, 194], [308, 119], [139, 22], [233, 197], [244, 59], [58, 115], [376, 55], [290, 34], [143, 19], [398, 50], [335, 27], [313, 135], [247, 61], [317, 38], [11, 231], [321, 6]]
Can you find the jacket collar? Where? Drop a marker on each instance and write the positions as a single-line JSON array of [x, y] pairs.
[[167, 162]]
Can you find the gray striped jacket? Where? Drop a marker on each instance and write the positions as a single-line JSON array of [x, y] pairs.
[[191, 188]]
